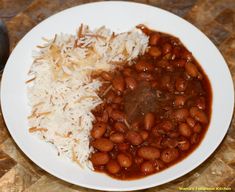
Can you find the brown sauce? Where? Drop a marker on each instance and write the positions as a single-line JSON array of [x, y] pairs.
[[155, 112]]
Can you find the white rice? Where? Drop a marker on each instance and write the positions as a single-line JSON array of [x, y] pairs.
[[61, 92]]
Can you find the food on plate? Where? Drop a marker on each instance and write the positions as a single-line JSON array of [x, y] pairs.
[[154, 111], [127, 104], [62, 92]]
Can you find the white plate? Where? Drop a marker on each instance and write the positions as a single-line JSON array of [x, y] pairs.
[[119, 16]]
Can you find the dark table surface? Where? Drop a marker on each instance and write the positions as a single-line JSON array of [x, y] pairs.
[[216, 18]]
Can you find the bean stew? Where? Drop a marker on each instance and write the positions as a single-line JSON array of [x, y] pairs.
[[155, 112]]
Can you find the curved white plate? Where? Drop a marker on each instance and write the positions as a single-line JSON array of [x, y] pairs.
[[119, 16]]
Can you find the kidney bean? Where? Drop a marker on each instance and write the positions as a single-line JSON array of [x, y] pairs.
[[144, 134], [113, 167], [197, 128], [166, 82], [147, 167], [148, 152], [105, 117], [142, 66], [167, 125], [181, 84], [102, 144], [181, 114], [154, 52], [173, 134], [134, 137], [114, 106], [194, 138], [120, 127], [191, 69], [106, 76], [99, 158], [117, 137], [127, 72], [179, 62], [185, 130], [201, 103], [145, 76], [179, 100], [123, 146], [118, 84], [169, 142], [198, 115], [183, 144], [154, 84], [98, 130], [187, 55], [138, 160], [124, 160], [118, 100], [191, 122], [131, 83], [109, 110], [110, 96], [158, 164], [169, 155], [166, 48], [154, 38], [149, 120], [117, 115], [135, 125]]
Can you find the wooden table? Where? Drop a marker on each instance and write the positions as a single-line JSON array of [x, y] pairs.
[[216, 18]]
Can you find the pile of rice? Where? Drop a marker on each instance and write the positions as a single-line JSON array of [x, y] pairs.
[[61, 91]]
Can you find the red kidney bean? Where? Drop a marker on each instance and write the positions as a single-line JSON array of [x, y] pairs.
[[154, 84], [109, 110], [158, 164], [173, 134], [181, 114], [166, 82], [201, 103], [183, 144], [179, 100], [142, 66], [149, 120], [154, 38], [198, 115], [144, 134], [98, 130], [191, 122], [117, 137], [106, 76], [118, 84], [167, 125], [102, 144], [154, 52], [117, 115], [147, 167], [181, 84], [118, 100], [197, 128], [191, 69], [127, 72], [187, 55], [131, 83], [169, 155], [179, 62], [149, 153], [110, 96], [194, 138], [138, 160], [123, 146], [120, 127], [166, 48], [99, 158], [169, 142], [113, 167], [185, 130], [146, 76], [134, 137], [124, 160]]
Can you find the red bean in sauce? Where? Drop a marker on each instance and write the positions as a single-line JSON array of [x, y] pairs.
[[169, 105]]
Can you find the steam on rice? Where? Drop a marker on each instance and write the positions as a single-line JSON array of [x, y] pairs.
[[61, 91]]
